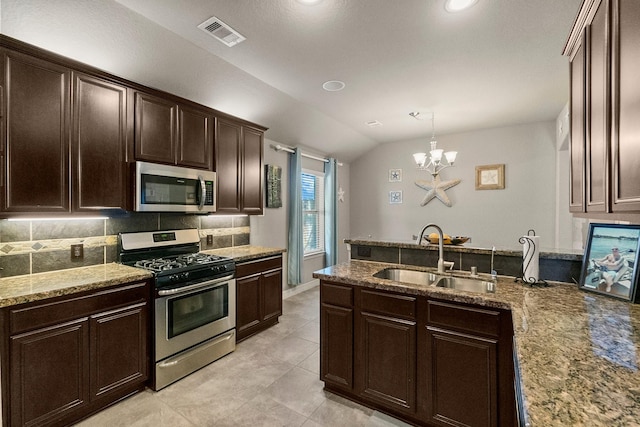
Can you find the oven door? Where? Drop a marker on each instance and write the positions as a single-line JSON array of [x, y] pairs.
[[186, 316]]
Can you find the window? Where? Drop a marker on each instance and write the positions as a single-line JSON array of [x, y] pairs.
[[312, 212]]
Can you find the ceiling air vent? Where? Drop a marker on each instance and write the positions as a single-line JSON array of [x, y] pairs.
[[221, 31]]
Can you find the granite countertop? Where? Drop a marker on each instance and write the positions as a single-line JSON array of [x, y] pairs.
[[567, 254], [245, 253], [33, 287], [578, 352]]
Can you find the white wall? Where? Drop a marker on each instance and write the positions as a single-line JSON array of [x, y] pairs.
[[489, 217]]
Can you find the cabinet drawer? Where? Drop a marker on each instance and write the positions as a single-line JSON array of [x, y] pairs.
[[382, 303], [258, 266], [43, 314], [463, 318], [333, 294]]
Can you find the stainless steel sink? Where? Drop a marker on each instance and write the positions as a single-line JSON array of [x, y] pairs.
[[408, 276], [437, 280], [466, 284]]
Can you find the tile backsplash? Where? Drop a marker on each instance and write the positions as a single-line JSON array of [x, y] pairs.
[[45, 245]]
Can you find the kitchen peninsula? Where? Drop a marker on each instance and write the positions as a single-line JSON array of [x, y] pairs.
[[576, 354]]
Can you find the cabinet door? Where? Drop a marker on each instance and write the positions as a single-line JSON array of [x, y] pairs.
[[272, 294], [98, 144], [577, 158], [597, 148], [155, 128], [228, 167], [336, 350], [461, 379], [252, 171], [248, 310], [118, 349], [626, 109], [388, 365], [49, 373], [195, 139], [37, 135]]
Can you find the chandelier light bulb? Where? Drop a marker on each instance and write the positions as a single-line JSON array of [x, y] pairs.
[[436, 155], [420, 159], [451, 156]]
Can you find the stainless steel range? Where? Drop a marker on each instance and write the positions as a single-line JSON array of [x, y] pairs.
[[195, 300]]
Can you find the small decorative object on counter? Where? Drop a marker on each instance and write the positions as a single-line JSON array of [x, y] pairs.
[[531, 259]]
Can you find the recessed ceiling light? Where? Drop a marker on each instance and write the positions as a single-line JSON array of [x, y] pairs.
[[309, 2], [333, 85], [373, 123], [458, 5]]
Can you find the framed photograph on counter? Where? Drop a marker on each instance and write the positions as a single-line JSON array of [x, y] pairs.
[[610, 262]]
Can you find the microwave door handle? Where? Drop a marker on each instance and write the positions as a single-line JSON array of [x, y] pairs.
[[203, 192]]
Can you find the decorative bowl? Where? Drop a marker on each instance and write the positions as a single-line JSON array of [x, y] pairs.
[[455, 240]]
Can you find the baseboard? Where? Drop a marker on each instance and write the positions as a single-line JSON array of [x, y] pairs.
[[300, 288]]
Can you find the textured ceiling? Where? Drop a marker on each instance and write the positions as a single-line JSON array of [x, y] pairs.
[[497, 64]]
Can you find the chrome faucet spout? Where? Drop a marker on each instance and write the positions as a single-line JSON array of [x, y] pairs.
[[440, 247], [494, 274]]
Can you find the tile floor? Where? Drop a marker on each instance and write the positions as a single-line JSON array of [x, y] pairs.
[[271, 379]]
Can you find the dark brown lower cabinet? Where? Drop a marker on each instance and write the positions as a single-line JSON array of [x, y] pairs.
[[463, 379], [258, 295], [69, 357], [386, 349], [427, 362], [336, 336]]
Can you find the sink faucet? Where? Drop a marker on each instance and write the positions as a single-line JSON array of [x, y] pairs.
[[440, 248], [494, 274]]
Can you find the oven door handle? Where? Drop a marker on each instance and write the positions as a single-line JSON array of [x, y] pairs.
[[182, 289]]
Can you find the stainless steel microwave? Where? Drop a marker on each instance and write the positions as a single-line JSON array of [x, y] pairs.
[[163, 188]]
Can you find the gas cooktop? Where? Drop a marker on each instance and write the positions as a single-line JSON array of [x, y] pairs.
[[173, 257]]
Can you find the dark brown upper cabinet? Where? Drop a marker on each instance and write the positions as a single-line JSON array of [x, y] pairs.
[[625, 109], [577, 147], [35, 134], [168, 132], [605, 149], [99, 136], [239, 167], [598, 98], [69, 133]]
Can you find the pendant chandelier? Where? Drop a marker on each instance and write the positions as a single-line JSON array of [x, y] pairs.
[[437, 159]]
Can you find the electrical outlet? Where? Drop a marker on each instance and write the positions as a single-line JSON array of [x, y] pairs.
[[77, 251], [209, 239]]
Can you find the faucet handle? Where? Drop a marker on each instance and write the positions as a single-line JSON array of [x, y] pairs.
[[448, 264]]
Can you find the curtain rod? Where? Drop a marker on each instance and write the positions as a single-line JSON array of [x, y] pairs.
[[279, 147]]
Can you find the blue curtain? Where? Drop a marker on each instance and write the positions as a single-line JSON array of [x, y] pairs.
[[331, 212], [295, 251]]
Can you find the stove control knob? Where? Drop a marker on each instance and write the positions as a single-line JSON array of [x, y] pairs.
[[185, 275], [174, 278]]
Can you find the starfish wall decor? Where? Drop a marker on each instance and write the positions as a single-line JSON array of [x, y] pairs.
[[436, 188]]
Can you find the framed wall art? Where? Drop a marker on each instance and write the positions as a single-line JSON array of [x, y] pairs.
[[610, 262], [395, 197], [490, 177], [395, 175], [274, 186]]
